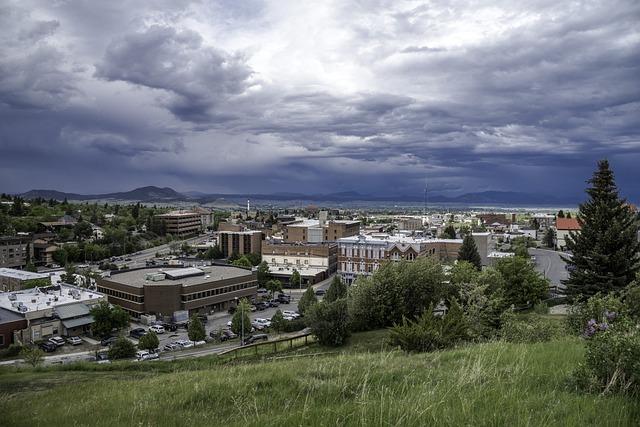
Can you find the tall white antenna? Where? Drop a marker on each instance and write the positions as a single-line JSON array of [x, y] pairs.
[[248, 207]]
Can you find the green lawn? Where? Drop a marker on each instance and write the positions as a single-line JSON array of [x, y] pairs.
[[364, 384]]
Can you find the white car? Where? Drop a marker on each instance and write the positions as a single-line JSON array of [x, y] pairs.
[[185, 343], [260, 323], [289, 313], [57, 341], [146, 355], [74, 340], [158, 329]]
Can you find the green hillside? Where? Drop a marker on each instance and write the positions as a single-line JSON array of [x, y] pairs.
[[487, 384]]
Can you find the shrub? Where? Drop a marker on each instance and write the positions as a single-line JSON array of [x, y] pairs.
[[12, 351], [612, 361], [307, 301], [294, 325], [483, 310], [122, 349], [32, 355], [430, 332], [329, 322], [541, 308], [149, 341], [529, 329], [595, 308]]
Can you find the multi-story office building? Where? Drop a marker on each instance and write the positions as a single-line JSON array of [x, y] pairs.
[[15, 251], [314, 261], [180, 223], [164, 292], [317, 231], [16, 280], [240, 242]]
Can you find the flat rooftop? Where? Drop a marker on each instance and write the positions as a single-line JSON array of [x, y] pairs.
[[191, 277], [47, 297], [21, 274]]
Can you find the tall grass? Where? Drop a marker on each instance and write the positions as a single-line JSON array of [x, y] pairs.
[[488, 384]]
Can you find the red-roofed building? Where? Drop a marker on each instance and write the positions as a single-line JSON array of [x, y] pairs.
[[563, 227]]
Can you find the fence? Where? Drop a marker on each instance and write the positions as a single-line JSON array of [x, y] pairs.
[[268, 347]]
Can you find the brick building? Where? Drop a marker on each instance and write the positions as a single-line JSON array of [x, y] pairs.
[[16, 280], [314, 261], [180, 223], [163, 292], [240, 242], [15, 251]]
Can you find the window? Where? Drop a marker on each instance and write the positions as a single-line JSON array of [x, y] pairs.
[[1, 339]]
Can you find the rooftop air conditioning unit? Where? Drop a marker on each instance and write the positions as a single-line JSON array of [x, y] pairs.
[[12, 297], [33, 300]]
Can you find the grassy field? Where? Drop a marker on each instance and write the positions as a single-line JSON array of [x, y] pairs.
[[364, 384]]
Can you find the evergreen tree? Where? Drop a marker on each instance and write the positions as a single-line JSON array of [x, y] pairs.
[[336, 290], [560, 213], [469, 252], [606, 251], [263, 273], [549, 238], [307, 301], [149, 341], [449, 232], [296, 279], [196, 329]]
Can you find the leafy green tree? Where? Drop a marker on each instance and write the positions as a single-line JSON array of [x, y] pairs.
[[69, 275], [296, 279], [307, 301], [254, 258], [549, 239], [32, 356], [186, 248], [149, 341], [523, 285], [82, 230], [469, 252], [60, 256], [196, 330], [263, 273], [278, 322], [31, 267], [107, 318], [273, 286], [329, 322], [606, 251], [449, 232], [122, 348], [463, 272], [243, 261], [337, 290], [241, 318], [213, 252]]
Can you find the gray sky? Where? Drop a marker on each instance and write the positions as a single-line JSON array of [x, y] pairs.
[[318, 96]]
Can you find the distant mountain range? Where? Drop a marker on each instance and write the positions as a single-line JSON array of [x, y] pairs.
[[156, 194]]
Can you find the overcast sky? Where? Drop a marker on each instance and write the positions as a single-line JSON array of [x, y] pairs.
[[318, 96]]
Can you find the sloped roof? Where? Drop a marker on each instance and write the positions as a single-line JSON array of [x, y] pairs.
[[567, 224], [72, 310]]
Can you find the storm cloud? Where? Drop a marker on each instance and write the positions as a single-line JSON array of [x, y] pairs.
[[272, 96]]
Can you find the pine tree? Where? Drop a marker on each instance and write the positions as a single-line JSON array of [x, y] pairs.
[[336, 290], [469, 252], [549, 238], [561, 214], [606, 251]]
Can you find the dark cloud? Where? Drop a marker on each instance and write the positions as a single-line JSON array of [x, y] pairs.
[[372, 96]]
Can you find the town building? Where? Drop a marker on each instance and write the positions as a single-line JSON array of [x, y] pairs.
[[164, 292], [180, 223], [15, 251], [16, 280], [65, 221], [51, 310], [563, 227], [322, 230], [363, 254], [206, 217], [240, 242], [9, 323], [410, 223], [313, 261]]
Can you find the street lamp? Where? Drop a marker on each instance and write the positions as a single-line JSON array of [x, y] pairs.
[[241, 320]]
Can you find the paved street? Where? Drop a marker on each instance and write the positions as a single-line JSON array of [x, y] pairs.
[[551, 265]]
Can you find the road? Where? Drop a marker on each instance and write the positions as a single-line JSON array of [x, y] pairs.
[[551, 265], [138, 259]]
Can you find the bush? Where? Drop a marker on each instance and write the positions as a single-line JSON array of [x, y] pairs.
[[612, 361], [529, 329], [429, 332], [12, 351], [329, 322], [294, 325], [541, 308], [598, 307], [122, 349]]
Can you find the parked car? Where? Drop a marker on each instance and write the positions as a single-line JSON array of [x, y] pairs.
[[284, 299], [290, 313], [142, 355], [158, 329], [198, 343], [263, 291], [274, 303], [137, 333], [224, 335], [261, 306], [58, 341], [108, 341], [171, 347], [260, 323], [185, 343], [255, 338], [74, 340], [102, 357], [320, 292], [48, 346], [171, 327]]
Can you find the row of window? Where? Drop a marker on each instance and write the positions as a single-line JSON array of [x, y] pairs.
[[361, 267], [217, 291], [122, 295]]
